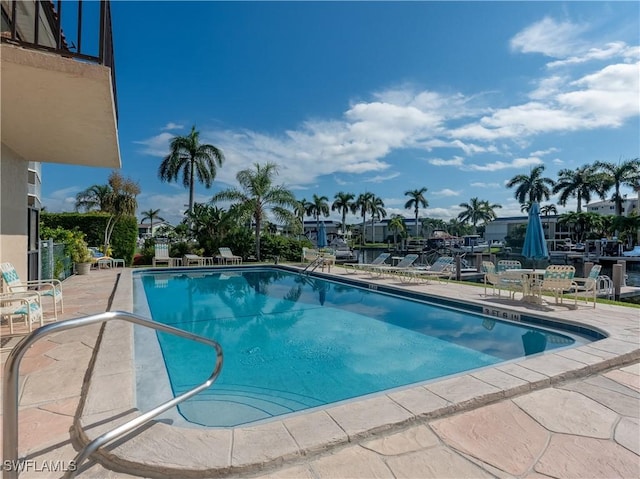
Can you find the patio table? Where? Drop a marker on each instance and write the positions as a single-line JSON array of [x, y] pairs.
[[529, 275]]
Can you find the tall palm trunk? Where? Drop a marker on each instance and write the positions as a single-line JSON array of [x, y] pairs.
[[258, 226], [416, 222], [191, 188]]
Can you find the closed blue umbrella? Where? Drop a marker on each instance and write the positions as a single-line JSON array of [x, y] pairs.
[[322, 235], [535, 246]]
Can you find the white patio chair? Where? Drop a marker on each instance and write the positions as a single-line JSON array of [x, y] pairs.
[[51, 288], [25, 305]]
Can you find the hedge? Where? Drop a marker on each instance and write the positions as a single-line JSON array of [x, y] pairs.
[[123, 239]]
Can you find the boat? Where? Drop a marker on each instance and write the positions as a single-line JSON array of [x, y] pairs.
[[472, 244], [341, 248]]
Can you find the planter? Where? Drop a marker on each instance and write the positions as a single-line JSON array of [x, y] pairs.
[[83, 268]]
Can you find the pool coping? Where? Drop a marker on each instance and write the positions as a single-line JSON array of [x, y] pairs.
[[162, 450]]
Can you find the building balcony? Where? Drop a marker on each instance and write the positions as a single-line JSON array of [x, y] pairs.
[[59, 103]]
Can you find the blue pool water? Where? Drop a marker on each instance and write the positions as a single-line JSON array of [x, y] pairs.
[[293, 342]]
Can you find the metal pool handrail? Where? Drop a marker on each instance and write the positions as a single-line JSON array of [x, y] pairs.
[[10, 387]]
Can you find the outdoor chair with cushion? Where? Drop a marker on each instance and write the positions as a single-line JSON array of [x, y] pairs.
[[588, 287], [490, 277], [354, 267], [51, 288], [323, 258], [507, 264], [26, 305], [227, 257], [161, 256], [513, 280], [557, 279], [309, 254]]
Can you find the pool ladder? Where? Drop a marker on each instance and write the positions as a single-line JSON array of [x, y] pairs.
[[319, 261], [10, 387]]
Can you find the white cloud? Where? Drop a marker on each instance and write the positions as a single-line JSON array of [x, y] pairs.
[[455, 161], [609, 97], [549, 37], [548, 87], [518, 163], [446, 192], [444, 213], [480, 184], [62, 200], [611, 50], [381, 178], [156, 145], [409, 118], [172, 126], [544, 152], [171, 206]]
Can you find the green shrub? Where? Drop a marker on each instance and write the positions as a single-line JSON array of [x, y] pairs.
[[285, 248], [123, 240]]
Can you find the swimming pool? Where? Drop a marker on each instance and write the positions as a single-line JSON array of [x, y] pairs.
[[294, 342]]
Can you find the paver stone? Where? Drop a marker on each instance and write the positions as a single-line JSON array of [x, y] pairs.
[[500, 434]]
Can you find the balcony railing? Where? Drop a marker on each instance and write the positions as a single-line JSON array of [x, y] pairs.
[[74, 29]]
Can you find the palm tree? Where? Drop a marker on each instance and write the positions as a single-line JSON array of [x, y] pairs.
[[457, 228], [121, 201], [533, 187], [193, 159], [363, 204], [432, 224], [396, 224], [318, 206], [477, 210], [299, 210], [258, 194], [547, 210], [151, 215], [377, 212], [93, 198], [344, 202], [624, 173], [417, 200], [579, 184], [582, 223]]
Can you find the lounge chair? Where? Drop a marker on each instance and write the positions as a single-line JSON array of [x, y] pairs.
[[403, 265], [441, 269], [378, 261], [161, 256], [51, 288], [26, 305], [196, 260], [557, 279], [227, 257]]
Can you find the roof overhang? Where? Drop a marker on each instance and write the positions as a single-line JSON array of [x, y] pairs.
[[58, 110]]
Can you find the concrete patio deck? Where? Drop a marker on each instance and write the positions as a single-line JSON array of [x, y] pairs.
[[581, 422]]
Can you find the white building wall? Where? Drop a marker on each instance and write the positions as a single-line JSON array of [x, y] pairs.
[[13, 209]]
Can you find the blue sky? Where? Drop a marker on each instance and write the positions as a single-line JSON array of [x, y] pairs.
[[458, 97]]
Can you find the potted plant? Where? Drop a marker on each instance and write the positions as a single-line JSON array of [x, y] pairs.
[[79, 252]]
